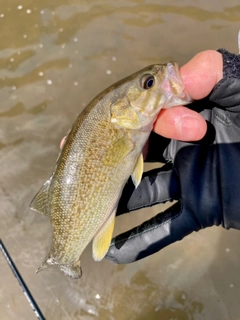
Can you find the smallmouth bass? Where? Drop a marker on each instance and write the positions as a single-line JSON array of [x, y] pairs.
[[101, 151]]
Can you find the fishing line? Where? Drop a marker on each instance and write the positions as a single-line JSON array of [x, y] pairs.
[[55, 297], [21, 282]]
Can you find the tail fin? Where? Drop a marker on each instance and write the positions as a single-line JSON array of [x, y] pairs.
[[43, 266], [73, 271]]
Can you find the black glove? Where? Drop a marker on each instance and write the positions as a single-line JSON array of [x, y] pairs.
[[204, 177]]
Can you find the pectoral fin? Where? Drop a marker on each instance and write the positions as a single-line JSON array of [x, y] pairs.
[[103, 239], [118, 150], [138, 171], [40, 201]]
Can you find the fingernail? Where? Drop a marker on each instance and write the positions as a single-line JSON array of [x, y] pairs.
[[62, 142]]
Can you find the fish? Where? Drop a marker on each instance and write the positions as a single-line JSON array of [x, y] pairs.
[[101, 151]]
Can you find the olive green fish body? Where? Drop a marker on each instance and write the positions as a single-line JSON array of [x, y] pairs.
[[101, 151], [86, 184]]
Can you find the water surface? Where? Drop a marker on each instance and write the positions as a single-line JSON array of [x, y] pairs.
[[55, 56]]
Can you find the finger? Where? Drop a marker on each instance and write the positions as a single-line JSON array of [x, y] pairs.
[[63, 142], [202, 73], [199, 76], [151, 236], [180, 123], [157, 186]]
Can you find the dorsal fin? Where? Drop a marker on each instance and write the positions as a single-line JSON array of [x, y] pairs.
[[40, 201]]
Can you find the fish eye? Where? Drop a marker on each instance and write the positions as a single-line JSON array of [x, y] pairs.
[[147, 81]]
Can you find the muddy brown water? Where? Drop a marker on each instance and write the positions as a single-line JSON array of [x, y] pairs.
[[55, 56]]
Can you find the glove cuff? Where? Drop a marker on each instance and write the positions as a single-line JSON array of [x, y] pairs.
[[231, 64], [226, 93]]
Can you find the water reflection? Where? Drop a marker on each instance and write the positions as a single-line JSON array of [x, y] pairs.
[[158, 302], [33, 75], [55, 56], [19, 108]]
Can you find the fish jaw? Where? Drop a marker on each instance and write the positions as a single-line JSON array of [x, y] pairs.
[[139, 108], [173, 87]]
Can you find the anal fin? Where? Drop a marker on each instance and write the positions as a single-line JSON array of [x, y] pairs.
[[102, 240]]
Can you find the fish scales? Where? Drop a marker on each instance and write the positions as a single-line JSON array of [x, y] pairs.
[[88, 173], [100, 152]]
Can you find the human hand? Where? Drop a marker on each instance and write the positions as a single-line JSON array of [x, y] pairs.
[[199, 76], [203, 176]]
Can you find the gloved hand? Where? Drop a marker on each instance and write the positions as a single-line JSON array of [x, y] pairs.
[[203, 176]]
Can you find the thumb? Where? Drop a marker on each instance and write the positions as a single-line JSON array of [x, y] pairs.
[[199, 76]]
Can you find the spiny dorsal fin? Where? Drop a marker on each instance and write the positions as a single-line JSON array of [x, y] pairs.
[[40, 201], [138, 171]]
